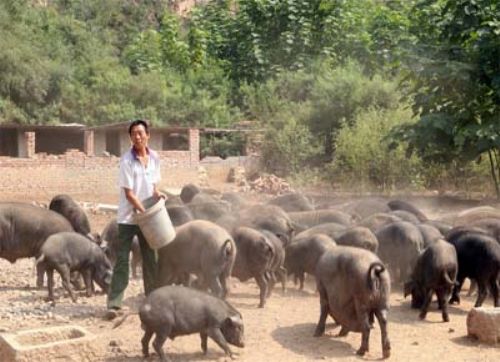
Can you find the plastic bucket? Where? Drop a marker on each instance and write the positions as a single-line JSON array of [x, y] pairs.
[[155, 223]]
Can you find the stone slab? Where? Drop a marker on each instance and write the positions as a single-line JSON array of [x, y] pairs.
[[55, 343], [483, 323]]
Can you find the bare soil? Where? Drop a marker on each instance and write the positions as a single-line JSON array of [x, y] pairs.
[[281, 331]]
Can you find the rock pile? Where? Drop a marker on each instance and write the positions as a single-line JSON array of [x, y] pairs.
[[270, 184]]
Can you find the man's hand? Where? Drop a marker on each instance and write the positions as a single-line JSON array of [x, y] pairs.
[[132, 198], [160, 195]]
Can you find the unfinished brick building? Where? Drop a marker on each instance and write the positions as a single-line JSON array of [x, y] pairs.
[[76, 159], [177, 145]]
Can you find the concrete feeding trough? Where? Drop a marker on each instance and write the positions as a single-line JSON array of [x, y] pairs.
[[483, 323], [59, 343]]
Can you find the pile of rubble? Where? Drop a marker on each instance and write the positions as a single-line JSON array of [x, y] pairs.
[[238, 176], [202, 177], [270, 184]]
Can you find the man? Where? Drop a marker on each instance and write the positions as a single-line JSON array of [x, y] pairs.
[[138, 180]]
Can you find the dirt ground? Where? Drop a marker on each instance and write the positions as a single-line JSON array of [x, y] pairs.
[[281, 331]]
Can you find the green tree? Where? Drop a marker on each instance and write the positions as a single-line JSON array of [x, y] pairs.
[[454, 82], [144, 53], [339, 94], [325, 97], [258, 39]]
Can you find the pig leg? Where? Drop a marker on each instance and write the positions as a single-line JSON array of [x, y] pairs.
[[262, 283], [481, 293], [298, 278], [198, 283], [344, 331], [218, 338], [224, 277], [440, 301], [50, 284], [494, 291], [323, 300], [472, 288], [223, 283], [455, 298], [87, 279], [362, 315], [443, 305], [161, 337], [271, 281], [301, 278], [40, 271], [148, 333], [65, 276], [382, 321], [189, 280], [76, 280], [92, 288], [166, 275], [281, 273], [135, 262], [204, 346], [215, 286], [136, 259], [425, 305]]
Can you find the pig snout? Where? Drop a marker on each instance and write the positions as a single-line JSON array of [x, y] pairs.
[[233, 331], [103, 279]]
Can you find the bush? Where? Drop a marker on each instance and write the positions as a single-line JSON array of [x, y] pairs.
[[363, 158], [222, 145], [288, 145], [339, 94]]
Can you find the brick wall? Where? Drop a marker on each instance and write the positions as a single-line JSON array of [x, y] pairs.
[[77, 174], [30, 143], [88, 143], [194, 144]]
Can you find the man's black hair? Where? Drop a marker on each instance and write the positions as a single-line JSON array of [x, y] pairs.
[[136, 123]]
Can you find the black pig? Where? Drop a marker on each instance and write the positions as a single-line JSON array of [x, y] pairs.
[[69, 251], [173, 311], [435, 271]]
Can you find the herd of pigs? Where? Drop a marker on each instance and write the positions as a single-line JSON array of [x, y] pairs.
[[355, 251]]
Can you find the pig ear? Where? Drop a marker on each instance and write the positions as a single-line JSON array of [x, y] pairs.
[[283, 238], [104, 245], [97, 237], [235, 320], [265, 244]]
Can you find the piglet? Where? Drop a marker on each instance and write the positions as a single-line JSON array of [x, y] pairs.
[[69, 251], [172, 311]]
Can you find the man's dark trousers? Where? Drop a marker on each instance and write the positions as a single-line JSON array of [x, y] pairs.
[[119, 281]]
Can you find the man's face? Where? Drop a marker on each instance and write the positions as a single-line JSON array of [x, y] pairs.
[[139, 136]]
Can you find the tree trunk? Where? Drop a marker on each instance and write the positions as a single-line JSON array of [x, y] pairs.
[[493, 172], [496, 152]]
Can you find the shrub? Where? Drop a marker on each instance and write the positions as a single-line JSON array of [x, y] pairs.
[[288, 145], [339, 94], [363, 158], [224, 145]]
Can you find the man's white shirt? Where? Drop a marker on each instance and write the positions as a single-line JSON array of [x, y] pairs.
[[141, 180]]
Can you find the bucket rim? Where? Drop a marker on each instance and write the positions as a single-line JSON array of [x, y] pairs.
[[157, 206]]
